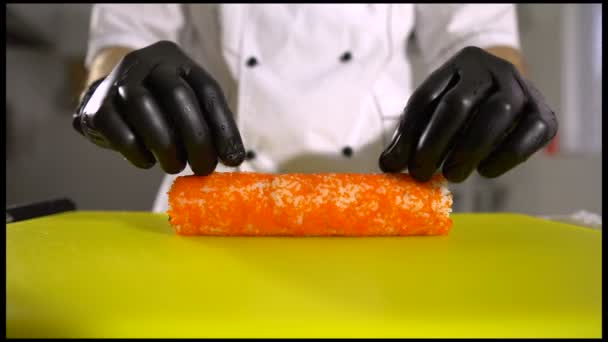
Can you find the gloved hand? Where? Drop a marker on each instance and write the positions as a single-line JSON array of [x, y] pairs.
[[474, 112], [158, 104]]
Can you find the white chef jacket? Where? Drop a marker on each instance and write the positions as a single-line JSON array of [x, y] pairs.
[[308, 83]]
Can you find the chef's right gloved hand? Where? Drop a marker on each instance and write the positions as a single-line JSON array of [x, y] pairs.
[[158, 104]]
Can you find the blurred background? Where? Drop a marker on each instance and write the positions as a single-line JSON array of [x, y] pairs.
[[46, 44]]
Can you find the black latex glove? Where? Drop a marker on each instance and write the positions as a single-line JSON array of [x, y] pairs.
[[158, 104], [474, 112]]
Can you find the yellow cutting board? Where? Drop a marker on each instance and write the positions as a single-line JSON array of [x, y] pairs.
[[125, 274]]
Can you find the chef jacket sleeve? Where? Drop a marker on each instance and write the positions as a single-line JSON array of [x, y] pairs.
[[133, 25], [441, 30]]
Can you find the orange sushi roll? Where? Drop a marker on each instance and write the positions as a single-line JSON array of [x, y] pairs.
[[328, 204]]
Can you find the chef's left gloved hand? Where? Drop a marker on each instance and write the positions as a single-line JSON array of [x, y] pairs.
[[475, 112]]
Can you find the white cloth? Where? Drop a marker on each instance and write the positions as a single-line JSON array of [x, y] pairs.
[[303, 103], [582, 218]]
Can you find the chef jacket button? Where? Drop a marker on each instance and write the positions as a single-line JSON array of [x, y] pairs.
[[347, 151], [250, 155], [252, 61], [347, 56]]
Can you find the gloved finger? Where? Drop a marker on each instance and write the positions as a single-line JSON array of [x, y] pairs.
[[531, 134], [97, 94], [537, 104], [76, 123], [449, 118], [149, 122], [487, 128], [179, 101], [108, 123], [416, 115], [226, 136]]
